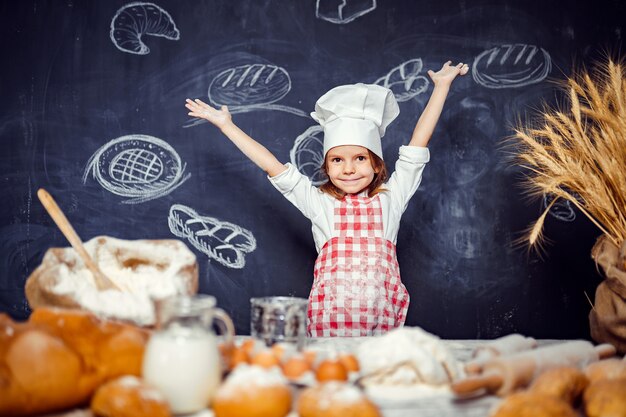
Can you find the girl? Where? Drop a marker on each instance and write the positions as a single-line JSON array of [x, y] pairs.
[[355, 216]]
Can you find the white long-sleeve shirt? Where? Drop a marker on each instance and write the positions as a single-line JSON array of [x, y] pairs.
[[318, 206]]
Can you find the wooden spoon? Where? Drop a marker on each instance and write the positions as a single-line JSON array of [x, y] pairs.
[[102, 281]]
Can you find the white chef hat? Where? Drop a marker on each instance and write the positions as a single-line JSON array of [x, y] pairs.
[[356, 114]]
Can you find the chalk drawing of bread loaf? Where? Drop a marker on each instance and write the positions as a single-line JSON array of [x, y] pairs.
[[307, 154], [251, 84], [511, 66], [134, 20], [405, 80], [221, 241], [141, 167]]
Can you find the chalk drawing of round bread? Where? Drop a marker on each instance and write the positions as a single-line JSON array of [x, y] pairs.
[[405, 80], [307, 154], [511, 66], [138, 166], [134, 20], [222, 241], [252, 84]]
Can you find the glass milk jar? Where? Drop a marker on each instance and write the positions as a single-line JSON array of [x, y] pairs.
[[182, 358]]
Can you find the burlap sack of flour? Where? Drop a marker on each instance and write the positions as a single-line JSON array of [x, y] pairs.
[[143, 270], [608, 317]]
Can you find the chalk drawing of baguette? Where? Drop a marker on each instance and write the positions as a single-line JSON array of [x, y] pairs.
[[342, 11], [405, 80], [511, 66], [250, 87], [221, 241], [134, 20]]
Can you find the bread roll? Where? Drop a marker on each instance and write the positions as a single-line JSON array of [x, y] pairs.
[[335, 399], [606, 397], [59, 357], [566, 383], [253, 391], [607, 369], [529, 404], [43, 375], [107, 347], [129, 396]]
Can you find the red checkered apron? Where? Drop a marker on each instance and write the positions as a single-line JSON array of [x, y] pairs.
[[356, 287]]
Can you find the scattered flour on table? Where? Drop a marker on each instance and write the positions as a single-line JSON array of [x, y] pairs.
[[407, 356]]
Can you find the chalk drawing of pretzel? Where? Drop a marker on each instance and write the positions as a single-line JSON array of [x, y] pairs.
[[134, 20], [222, 241]]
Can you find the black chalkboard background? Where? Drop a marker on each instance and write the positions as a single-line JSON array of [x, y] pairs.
[[66, 91]]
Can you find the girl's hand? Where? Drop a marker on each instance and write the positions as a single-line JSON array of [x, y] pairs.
[[198, 108], [448, 73]]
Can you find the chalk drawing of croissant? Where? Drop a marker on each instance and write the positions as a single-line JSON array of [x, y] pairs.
[[134, 20], [222, 241]]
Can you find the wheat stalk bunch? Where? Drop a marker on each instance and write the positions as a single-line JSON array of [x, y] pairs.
[[579, 154]]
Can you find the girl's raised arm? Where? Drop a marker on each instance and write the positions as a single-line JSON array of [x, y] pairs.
[[428, 120], [257, 153]]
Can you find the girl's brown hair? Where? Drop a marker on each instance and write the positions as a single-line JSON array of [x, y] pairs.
[[375, 186]]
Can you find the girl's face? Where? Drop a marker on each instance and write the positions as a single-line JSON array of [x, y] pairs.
[[350, 168]]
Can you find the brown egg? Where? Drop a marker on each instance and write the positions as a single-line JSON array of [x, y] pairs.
[[349, 361], [310, 356], [295, 367], [225, 349], [331, 370], [265, 358], [248, 346], [279, 350], [238, 356]]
